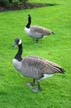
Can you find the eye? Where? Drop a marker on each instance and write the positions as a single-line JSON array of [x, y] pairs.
[[17, 41]]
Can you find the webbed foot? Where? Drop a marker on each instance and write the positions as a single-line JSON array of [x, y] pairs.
[[30, 84], [36, 90]]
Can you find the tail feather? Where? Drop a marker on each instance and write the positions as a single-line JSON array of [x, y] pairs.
[[53, 32], [60, 69]]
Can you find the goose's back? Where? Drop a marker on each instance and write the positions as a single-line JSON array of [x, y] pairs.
[[40, 30]]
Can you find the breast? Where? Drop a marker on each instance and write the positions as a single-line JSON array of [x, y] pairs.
[[17, 64], [27, 30], [26, 70], [32, 33]]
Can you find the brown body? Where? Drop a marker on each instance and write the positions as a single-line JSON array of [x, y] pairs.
[[36, 67]]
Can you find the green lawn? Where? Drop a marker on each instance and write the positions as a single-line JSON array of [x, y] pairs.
[[56, 91]]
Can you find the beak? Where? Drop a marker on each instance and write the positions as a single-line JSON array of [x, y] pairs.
[[14, 44]]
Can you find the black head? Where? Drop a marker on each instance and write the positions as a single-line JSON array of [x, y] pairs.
[[29, 16], [17, 41]]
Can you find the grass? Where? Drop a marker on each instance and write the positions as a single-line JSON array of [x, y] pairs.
[[56, 91]]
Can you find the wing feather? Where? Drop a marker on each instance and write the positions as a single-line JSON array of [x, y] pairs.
[[41, 65], [41, 30]]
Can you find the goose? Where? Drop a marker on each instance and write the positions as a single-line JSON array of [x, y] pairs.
[[34, 67], [36, 32]]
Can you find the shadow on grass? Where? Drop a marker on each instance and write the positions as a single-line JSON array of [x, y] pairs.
[[38, 5], [26, 6]]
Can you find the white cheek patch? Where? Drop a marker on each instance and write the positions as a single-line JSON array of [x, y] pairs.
[[20, 42]]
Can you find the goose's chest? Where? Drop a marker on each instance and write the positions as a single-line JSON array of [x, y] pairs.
[[17, 64], [33, 33], [27, 30]]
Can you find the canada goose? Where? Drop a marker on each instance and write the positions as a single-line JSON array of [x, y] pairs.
[[35, 31], [34, 67]]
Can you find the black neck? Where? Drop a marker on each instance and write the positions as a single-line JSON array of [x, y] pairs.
[[19, 53], [29, 22]]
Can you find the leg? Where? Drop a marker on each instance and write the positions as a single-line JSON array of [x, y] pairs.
[[38, 88], [37, 40], [38, 84], [31, 84]]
